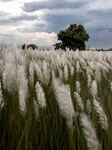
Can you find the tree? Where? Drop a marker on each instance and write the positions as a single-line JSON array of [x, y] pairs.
[[73, 38], [33, 46]]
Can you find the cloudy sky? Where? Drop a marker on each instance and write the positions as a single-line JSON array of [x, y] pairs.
[[39, 21]]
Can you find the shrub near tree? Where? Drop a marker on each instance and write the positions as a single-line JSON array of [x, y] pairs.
[[33, 46], [73, 38]]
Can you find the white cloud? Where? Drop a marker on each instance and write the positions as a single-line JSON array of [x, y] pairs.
[[39, 38], [13, 8], [100, 5], [47, 38]]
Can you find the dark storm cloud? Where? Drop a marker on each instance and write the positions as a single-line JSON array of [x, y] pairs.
[[55, 23], [59, 22], [100, 14], [100, 21], [100, 28], [17, 19], [110, 31], [59, 4]]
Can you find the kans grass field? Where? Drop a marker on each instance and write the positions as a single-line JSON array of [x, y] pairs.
[[55, 100]]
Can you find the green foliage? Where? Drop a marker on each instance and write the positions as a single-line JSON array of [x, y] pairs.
[[73, 38], [33, 46]]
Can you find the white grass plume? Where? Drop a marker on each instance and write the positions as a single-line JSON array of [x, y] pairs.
[[60, 73], [78, 87], [63, 97], [40, 95], [78, 67], [45, 73], [101, 114], [94, 89], [78, 101], [82, 62], [22, 88], [89, 133], [31, 73], [66, 73], [89, 73], [53, 74], [97, 74], [9, 73], [72, 70], [88, 106], [38, 71], [89, 80]]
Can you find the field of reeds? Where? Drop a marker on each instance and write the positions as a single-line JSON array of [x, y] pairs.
[[55, 100]]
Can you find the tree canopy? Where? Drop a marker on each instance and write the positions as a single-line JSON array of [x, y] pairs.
[[73, 38]]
